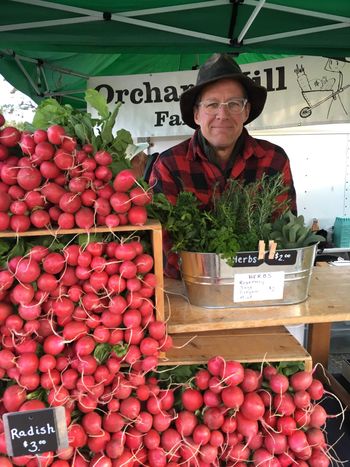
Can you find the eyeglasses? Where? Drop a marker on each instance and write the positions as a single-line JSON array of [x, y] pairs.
[[234, 106]]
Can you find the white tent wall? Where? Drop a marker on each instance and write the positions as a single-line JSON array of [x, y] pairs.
[[320, 160]]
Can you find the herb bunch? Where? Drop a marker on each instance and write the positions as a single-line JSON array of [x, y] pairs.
[[236, 220]]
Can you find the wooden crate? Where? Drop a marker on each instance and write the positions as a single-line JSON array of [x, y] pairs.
[[153, 226], [270, 344]]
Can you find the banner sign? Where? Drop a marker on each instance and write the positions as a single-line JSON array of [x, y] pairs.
[[301, 91]]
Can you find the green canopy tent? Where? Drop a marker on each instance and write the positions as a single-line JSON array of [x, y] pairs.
[[50, 48]]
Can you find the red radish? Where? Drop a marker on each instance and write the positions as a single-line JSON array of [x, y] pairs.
[[55, 134], [40, 218], [69, 144], [13, 397], [103, 157], [6, 279], [279, 383], [53, 192], [84, 218], [63, 159], [16, 192], [70, 202], [18, 207], [2, 120], [232, 397], [186, 422], [318, 416], [4, 221], [29, 178], [124, 181], [120, 202], [34, 199], [27, 144], [49, 169], [192, 399], [4, 152], [232, 373], [53, 263], [5, 201], [137, 215], [316, 390], [19, 223], [8, 174], [10, 136], [28, 270], [44, 150], [301, 380], [140, 197]]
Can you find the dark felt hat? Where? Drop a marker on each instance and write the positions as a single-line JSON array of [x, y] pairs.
[[220, 66]]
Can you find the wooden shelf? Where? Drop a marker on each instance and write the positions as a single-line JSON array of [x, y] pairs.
[[272, 344], [328, 302], [150, 225]]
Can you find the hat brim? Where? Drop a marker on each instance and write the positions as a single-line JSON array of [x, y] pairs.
[[256, 96]]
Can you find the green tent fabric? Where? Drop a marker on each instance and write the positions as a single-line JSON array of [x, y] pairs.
[[50, 48]]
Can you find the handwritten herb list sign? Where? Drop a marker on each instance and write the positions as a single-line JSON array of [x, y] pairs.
[[35, 431]]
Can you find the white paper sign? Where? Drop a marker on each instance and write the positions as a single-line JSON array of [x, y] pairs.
[[258, 286]]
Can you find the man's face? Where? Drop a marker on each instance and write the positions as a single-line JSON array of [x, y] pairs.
[[223, 129]]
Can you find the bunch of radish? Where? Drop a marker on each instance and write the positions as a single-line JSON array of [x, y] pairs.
[[55, 183]]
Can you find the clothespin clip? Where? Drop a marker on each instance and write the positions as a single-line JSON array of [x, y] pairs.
[[272, 249], [261, 249]]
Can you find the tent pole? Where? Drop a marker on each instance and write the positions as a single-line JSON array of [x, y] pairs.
[[46, 64], [300, 11], [171, 9], [250, 20], [54, 6], [54, 22], [298, 32], [26, 74]]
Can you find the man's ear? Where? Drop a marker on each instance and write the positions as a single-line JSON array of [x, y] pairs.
[[247, 111], [195, 115]]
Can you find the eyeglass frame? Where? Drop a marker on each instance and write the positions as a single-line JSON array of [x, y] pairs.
[[243, 100]]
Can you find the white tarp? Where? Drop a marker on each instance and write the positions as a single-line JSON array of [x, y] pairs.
[[301, 91]]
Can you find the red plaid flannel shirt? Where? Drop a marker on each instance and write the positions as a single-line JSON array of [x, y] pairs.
[[185, 167]]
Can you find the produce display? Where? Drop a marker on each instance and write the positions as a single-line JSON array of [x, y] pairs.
[[78, 320], [52, 179]]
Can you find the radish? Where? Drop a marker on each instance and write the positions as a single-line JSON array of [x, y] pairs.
[[10, 136], [13, 397], [124, 181], [53, 192], [28, 270], [103, 157], [29, 178], [192, 399], [5, 201], [140, 197], [120, 202], [27, 144], [70, 202], [19, 223], [84, 218], [301, 380], [137, 215], [55, 134], [49, 169]]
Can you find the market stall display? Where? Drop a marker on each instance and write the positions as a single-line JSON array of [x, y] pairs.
[[82, 323]]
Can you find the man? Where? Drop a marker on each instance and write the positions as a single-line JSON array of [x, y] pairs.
[[218, 107]]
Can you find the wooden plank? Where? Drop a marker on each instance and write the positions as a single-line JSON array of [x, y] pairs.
[[196, 349], [328, 301], [151, 224], [157, 248], [319, 342]]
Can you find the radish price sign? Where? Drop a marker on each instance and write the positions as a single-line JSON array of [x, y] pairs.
[[35, 431]]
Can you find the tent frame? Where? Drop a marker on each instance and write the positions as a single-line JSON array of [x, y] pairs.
[[84, 15]]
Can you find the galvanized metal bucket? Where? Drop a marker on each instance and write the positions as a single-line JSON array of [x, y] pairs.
[[210, 282]]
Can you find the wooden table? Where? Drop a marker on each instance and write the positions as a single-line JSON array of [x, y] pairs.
[[328, 302]]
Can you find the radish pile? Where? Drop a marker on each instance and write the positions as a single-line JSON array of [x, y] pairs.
[[47, 181]]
